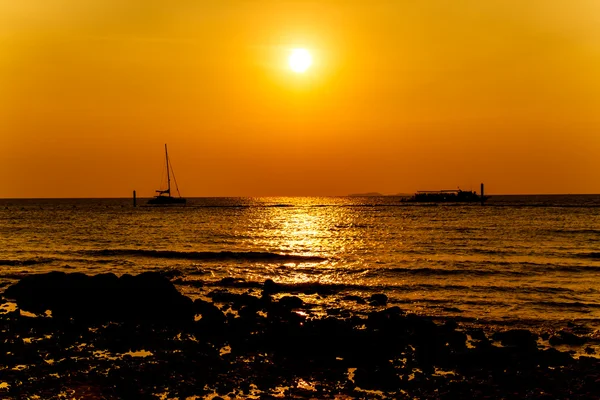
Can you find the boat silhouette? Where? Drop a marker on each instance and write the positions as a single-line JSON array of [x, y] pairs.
[[448, 196], [163, 197]]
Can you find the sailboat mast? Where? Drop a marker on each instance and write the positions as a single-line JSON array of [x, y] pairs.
[[168, 176]]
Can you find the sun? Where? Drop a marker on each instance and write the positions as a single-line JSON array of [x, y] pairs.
[[300, 60]]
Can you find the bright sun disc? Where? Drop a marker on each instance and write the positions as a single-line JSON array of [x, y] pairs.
[[300, 60]]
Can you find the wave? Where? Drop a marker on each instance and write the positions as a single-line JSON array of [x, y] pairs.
[[574, 231], [207, 255], [470, 269], [445, 272], [562, 304], [594, 255], [26, 262], [572, 268]]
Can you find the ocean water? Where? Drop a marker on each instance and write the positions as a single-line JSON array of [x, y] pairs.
[[517, 261]]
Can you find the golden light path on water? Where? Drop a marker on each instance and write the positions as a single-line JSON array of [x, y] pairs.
[[309, 229]]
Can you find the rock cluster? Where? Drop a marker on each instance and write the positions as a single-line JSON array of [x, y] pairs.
[[259, 344]]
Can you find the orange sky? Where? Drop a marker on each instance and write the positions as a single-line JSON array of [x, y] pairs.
[[403, 96]]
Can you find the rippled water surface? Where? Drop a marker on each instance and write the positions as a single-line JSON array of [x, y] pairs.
[[523, 258]]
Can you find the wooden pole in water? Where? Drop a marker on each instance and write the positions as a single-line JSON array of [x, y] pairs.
[[134, 199], [482, 199]]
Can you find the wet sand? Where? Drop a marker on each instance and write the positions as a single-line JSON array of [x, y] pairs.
[[137, 337]]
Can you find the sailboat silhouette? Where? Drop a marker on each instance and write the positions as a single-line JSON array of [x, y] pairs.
[[164, 198]]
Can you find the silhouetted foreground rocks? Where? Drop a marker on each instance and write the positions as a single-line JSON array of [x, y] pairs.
[[103, 297], [137, 337]]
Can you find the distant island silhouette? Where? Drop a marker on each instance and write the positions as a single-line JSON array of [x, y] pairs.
[[368, 194]]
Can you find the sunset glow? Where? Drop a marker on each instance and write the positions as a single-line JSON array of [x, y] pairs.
[[402, 96]]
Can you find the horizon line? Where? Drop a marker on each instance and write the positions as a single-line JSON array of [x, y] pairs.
[[291, 196]]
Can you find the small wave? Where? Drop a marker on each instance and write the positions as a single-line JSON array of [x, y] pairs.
[[29, 261], [562, 304], [594, 255], [491, 288], [572, 268], [444, 272], [208, 255], [493, 252], [574, 231]]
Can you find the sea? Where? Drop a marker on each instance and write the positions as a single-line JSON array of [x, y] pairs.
[[519, 261]]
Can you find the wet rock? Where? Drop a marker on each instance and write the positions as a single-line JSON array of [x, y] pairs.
[[231, 281], [237, 301], [477, 334], [553, 357], [255, 354], [520, 338], [568, 338], [383, 377], [378, 299], [248, 313], [183, 282], [452, 309], [105, 297], [210, 313], [450, 325], [388, 327], [291, 302], [270, 287], [355, 298]]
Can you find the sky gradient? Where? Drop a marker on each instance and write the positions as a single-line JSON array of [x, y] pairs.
[[402, 96]]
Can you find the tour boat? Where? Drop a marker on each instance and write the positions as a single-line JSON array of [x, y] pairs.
[[449, 196]]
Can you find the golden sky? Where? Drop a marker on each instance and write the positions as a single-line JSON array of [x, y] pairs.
[[403, 95]]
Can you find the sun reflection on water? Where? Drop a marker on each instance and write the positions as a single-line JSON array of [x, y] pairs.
[[306, 230]]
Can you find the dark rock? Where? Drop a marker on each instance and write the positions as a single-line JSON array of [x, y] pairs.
[[477, 334], [104, 297], [210, 313], [378, 299], [355, 298], [391, 319], [291, 302], [231, 281], [237, 301], [521, 338], [452, 309], [450, 325], [270, 287], [553, 357], [383, 377], [568, 338]]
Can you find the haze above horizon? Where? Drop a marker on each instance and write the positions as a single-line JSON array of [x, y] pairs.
[[400, 96]]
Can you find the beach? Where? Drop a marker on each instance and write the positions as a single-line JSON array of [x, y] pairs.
[[131, 338]]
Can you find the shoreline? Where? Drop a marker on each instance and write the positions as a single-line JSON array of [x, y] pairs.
[[138, 336]]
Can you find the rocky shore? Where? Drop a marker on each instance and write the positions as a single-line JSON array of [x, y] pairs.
[[109, 337]]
